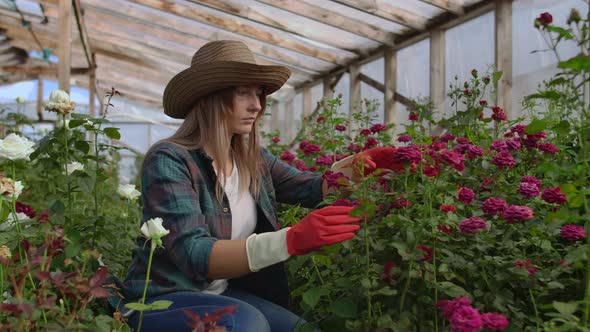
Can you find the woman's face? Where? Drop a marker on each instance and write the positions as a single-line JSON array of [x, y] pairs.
[[246, 106]]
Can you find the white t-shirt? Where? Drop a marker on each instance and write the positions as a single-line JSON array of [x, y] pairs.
[[243, 219]]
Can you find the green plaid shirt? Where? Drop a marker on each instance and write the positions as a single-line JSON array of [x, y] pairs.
[[178, 186]]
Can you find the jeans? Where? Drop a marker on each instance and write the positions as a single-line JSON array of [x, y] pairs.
[[253, 314]]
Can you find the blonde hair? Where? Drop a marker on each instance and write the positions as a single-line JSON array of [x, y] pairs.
[[206, 126]]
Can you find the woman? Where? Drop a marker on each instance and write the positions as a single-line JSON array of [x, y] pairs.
[[217, 191]]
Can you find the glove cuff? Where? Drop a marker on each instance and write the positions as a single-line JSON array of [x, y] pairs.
[[267, 249]]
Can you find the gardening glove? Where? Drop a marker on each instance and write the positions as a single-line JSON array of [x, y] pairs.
[[362, 164], [319, 228]]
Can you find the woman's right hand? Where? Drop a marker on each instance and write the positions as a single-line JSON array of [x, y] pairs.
[[322, 227]]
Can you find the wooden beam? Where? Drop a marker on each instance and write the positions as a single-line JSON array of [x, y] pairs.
[[437, 70], [349, 24], [372, 82], [288, 124], [504, 55], [186, 40], [14, 78], [307, 101], [83, 33], [274, 116], [390, 86], [64, 33], [452, 6], [91, 94], [389, 12], [43, 70], [444, 22], [355, 94], [40, 98], [262, 13], [326, 86], [210, 17]]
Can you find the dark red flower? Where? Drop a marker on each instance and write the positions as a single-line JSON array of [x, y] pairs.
[[378, 127], [414, 116], [276, 139], [465, 195], [365, 132], [448, 208], [554, 196], [493, 206], [427, 253]]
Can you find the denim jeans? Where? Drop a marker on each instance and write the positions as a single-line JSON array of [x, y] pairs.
[[252, 313]]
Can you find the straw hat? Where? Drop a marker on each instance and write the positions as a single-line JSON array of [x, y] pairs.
[[215, 66]]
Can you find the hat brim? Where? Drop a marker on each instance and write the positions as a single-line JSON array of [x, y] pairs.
[[186, 87]]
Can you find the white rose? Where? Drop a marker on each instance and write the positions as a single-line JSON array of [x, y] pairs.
[[59, 102], [14, 147], [18, 189], [154, 230], [128, 191], [10, 221], [74, 166]]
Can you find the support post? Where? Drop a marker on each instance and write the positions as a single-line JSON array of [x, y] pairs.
[[389, 102], [437, 71], [355, 93], [64, 45], [504, 55], [40, 98]]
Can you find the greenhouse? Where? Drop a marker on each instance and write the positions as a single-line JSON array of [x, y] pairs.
[[294, 165]]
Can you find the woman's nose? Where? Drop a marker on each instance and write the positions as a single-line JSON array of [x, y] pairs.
[[255, 104]]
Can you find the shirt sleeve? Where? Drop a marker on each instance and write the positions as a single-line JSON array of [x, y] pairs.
[[168, 193], [293, 186]]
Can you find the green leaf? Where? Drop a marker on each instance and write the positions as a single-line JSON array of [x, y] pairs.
[[563, 127], [555, 285], [566, 308], [160, 305], [311, 297], [82, 146], [536, 126], [575, 201], [112, 132], [563, 33], [496, 76], [75, 123], [138, 306], [451, 289], [344, 307], [549, 94], [577, 63], [73, 249], [86, 184]]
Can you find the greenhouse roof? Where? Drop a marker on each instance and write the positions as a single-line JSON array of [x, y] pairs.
[[136, 46]]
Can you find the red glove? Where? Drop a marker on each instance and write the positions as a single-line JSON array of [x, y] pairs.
[[321, 227], [375, 158]]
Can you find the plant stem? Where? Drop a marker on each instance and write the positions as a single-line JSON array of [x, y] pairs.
[[535, 308], [95, 191], [67, 158], [147, 280]]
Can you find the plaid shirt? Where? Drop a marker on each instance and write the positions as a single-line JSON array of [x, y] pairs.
[[178, 186]]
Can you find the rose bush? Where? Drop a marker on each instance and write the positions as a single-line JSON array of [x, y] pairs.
[[492, 211]]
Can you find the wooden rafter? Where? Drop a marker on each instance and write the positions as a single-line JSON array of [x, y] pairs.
[[144, 21], [452, 6], [318, 14], [266, 15], [387, 11], [207, 16]]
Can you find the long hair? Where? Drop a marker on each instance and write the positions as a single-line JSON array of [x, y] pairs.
[[206, 125]]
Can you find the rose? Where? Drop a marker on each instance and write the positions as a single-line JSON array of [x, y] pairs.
[[495, 321], [128, 191], [14, 147], [465, 195], [472, 225], [528, 190], [493, 206], [10, 188], [517, 213], [466, 319], [10, 221], [572, 232], [153, 229], [554, 195], [450, 306], [504, 160], [59, 102], [74, 166]]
